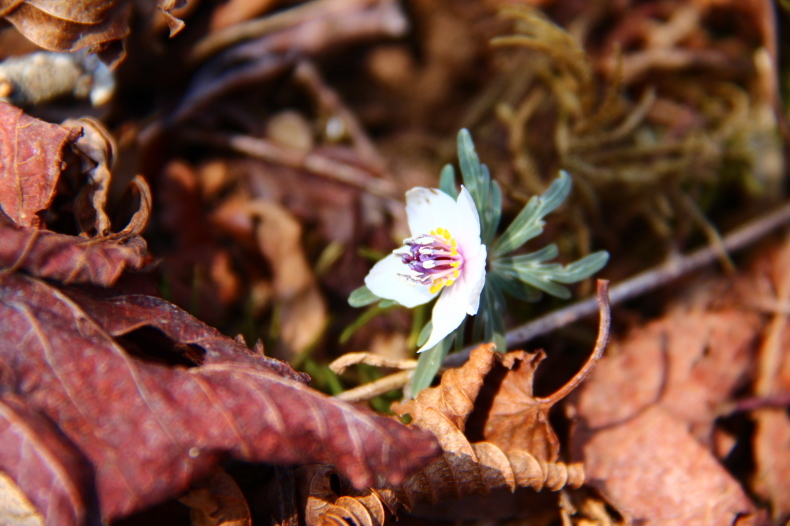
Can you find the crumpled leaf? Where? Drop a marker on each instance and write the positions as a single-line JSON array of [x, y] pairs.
[[278, 236], [217, 501], [771, 440], [148, 430], [97, 147], [30, 164], [485, 478], [59, 472], [72, 25], [69, 259], [649, 408]]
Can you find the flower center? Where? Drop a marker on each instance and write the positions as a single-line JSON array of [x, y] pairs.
[[432, 258]]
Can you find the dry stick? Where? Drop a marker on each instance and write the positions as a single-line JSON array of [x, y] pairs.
[[314, 163], [629, 289], [641, 283]]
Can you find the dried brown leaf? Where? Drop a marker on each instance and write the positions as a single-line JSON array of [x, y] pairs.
[[15, 508], [483, 479], [647, 413], [72, 25], [30, 164], [217, 501], [148, 430], [69, 259], [655, 472], [97, 147], [278, 235]]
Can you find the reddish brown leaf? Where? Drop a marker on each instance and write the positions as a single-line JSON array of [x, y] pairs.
[[648, 409], [30, 163], [47, 467], [69, 259], [71, 25], [217, 501], [655, 472], [149, 430]]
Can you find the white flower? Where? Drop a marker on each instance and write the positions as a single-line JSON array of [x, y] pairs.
[[444, 255]]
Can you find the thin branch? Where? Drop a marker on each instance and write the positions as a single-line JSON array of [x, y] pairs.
[[641, 283], [377, 387], [605, 321]]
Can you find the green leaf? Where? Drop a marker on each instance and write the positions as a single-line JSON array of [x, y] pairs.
[[447, 181], [362, 297], [516, 288], [361, 321], [489, 325], [493, 214], [529, 222], [583, 268], [424, 334], [529, 269], [428, 365]]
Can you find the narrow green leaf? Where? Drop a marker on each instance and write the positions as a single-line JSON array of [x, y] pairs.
[[469, 162], [489, 324], [493, 214], [424, 334], [428, 365], [515, 287], [529, 222], [447, 181], [360, 322], [362, 297], [583, 268]]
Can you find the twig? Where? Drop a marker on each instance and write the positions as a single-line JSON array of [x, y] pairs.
[[641, 283], [400, 379], [325, 96], [315, 163], [377, 387], [605, 313], [313, 32], [219, 40]]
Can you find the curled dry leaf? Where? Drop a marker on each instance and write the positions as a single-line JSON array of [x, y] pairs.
[[30, 164], [147, 430], [70, 25], [97, 147], [648, 409], [68, 259], [278, 236], [217, 501], [482, 479]]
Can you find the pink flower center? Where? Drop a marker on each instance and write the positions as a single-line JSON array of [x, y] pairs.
[[433, 259]]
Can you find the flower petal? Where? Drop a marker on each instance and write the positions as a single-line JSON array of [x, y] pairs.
[[429, 208], [448, 313], [384, 281], [467, 223], [474, 277]]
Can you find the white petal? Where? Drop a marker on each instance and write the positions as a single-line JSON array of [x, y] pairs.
[[383, 281], [448, 313], [474, 277], [428, 209], [467, 229]]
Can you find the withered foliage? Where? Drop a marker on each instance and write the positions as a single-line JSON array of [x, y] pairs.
[[496, 440], [68, 26], [112, 402], [276, 139]]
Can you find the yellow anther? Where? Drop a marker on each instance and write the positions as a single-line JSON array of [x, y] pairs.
[[447, 234], [456, 264], [455, 273], [453, 243], [440, 231], [450, 282], [433, 232], [454, 252]]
